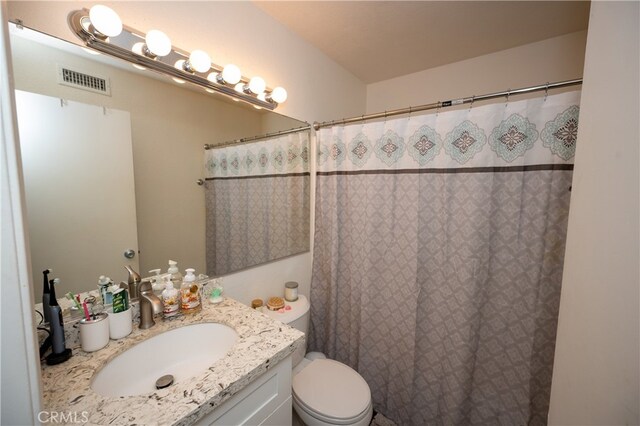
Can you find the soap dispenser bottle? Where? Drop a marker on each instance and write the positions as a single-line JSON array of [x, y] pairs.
[[170, 300], [158, 283], [176, 276], [190, 294]]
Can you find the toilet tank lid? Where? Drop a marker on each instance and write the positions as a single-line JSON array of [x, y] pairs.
[[298, 309]]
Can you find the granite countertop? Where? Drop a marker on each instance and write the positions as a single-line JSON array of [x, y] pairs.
[[262, 342]]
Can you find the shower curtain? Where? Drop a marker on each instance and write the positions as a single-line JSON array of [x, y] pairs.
[[439, 243], [257, 202]]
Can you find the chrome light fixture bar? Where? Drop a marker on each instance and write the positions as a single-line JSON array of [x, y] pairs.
[[133, 46]]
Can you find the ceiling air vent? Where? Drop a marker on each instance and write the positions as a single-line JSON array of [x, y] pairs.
[[79, 80]]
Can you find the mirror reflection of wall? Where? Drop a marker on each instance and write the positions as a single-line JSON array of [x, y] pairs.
[[78, 178], [169, 126]]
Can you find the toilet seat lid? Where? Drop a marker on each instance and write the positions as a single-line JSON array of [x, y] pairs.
[[332, 389]]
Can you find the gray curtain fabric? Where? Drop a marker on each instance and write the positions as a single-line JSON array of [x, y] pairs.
[[441, 285], [442, 290], [257, 202], [254, 220]]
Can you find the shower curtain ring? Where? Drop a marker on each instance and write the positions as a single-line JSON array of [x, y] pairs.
[[473, 98], [508, 94], [409, 119]]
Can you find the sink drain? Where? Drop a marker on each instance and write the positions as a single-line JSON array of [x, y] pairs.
[[164, 381]]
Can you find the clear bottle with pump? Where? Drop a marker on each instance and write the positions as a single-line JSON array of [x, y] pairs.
[[158, 283], [170, 300], [176, 276], [190, 294]]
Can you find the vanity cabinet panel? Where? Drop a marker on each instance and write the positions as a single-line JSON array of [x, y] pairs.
[[265, 401]]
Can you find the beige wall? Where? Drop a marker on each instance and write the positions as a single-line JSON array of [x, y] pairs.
[[169, 127], [240, 33], [554, 59], [596, 371]]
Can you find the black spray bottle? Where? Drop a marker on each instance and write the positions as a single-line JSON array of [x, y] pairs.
[[60, 353], [46, 295]]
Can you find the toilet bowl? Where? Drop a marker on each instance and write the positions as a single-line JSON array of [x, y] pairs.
[[325, 392]]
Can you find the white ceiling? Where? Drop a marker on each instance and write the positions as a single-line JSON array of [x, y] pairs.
[[379, 40]]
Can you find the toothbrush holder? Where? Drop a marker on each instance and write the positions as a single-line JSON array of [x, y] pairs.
[[94, 332], [120, 324]]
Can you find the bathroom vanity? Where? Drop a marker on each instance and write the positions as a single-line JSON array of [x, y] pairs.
[[251, 384]]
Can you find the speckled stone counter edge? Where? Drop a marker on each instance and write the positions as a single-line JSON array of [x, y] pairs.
[[262, 342]]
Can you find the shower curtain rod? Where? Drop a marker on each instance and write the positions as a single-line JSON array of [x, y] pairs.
[[253, 138], [449, 103]]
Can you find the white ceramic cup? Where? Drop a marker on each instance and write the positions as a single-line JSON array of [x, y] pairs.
[[120, 324], [94, 333]]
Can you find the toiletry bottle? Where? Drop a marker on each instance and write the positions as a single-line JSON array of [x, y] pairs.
[[104, 283], [170, 300], [176, 276], [189, 294], [158, 283], [46, 296]]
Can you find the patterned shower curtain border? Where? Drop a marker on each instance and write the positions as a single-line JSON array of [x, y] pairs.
[[286, 155], [494, 136]]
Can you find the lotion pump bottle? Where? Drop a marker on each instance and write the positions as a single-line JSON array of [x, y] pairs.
[[158, 283], [170, 300], [176, 276], [190, 294]]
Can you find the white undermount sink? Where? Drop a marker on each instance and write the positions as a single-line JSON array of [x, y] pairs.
[[184, 352]]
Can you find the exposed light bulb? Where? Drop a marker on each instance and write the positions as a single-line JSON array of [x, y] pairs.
[[239, 88], [213, 77], [158, 43], [137, 48], [199, 61], [231, 74], [105, 20], [279, 95], [262, 96], [179, 64], [257, 85]]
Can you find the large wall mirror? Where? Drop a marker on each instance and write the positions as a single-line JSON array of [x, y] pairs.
[[120, 172]]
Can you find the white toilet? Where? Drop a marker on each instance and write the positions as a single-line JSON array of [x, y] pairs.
[[325, 392]]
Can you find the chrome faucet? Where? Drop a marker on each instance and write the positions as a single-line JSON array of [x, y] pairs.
[[150, 305]]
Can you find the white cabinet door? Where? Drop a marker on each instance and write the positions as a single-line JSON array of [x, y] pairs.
[[78, 173]]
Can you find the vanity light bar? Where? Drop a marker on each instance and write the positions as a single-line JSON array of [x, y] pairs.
[[126, 46]]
